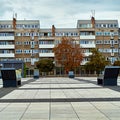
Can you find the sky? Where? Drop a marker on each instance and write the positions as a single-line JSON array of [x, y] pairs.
[[61, 13]]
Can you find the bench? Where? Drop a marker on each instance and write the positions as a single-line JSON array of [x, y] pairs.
[[109, 77], [11, 77]]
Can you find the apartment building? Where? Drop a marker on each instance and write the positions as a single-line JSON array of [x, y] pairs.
[[7, 40], [25, 40], [19, 41], [87, 37], [101, 34], [51, 37]]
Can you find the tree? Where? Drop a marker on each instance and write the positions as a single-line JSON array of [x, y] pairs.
[[45, 65], [116, 63], [68, 54], [97, 62]]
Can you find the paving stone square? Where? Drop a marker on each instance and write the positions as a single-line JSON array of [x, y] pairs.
[[60, 98]]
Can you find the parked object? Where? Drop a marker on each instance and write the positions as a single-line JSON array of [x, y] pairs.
[[36, 73], [11, 77], [109, 77], [71, 74]]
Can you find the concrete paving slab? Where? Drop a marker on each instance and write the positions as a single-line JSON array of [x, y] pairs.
[[60, 98]]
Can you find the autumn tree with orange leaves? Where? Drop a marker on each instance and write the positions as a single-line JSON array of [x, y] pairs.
[[68, 54]]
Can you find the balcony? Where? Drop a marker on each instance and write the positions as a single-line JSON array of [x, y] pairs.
[[112, 54], [87, 37], [87, 54], [7, 38], [7, 46], [7, 55], [84, 62], [88, 45], [46, 38], [46, 46], [46, 54]]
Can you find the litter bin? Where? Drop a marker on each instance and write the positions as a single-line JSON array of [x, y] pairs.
[[71, 74], [36, 74]]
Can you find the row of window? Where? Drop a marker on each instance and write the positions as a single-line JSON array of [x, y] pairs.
[[27, 26], [19, 26], [6, 51], [32, 34], [67, 34], [86, 33], [106, 33], [112, 59], [6, 34], [115, 50], [106, 41], [27, 59], [6, 43], [26, 43], [27, 34], [114, 25], [46, 51], [19, 51], [86, 42]]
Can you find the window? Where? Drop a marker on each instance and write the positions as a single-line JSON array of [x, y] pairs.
[[115, 25], [84, 42], [18, 51], [106, 41], [99, 33], [27, 51], [116, 42], [99, 41], [18, 43]]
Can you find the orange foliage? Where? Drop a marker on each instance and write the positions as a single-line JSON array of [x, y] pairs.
[[68, 54]]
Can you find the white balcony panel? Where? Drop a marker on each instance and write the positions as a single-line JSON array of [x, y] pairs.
[[7, 38], [84, 62], [46, 38], [47, 46], [87, 37], [7, 46], [46, 54], [88, 45], [87, 54], [7, 55]]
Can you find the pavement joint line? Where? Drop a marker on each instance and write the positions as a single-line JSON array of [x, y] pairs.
[[50, 101], [99, 110], [5, 107], [71, 106], [60, 88], [60, 100], [25, 111]]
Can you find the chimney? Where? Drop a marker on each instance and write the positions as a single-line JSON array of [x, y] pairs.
[[93, 22], [53, 31], [14, 23]]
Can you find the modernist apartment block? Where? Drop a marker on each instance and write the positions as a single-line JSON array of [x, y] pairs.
[[101, 34], [19, 39], [25, 40]]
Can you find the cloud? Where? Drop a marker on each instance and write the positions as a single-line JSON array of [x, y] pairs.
[[62, 13]]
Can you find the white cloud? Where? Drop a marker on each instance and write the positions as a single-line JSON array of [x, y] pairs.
[[61, 13]]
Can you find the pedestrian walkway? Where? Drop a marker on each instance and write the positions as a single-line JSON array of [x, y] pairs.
[[60, 98]]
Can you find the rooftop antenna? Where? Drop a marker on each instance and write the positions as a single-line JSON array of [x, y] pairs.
[[93, 13], [16, 15]]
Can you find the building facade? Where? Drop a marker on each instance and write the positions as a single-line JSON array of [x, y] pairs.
[[25, 40]]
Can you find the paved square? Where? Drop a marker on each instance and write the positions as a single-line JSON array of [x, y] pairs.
[[60, 98]]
